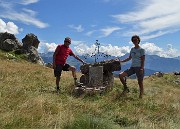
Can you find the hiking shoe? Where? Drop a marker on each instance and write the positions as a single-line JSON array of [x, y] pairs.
[[58, 89], [125, 91], [141, 95]]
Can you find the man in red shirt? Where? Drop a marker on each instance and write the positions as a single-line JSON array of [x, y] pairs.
[[59, 61]]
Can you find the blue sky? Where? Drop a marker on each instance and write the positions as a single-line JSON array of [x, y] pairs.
[[111, 22]]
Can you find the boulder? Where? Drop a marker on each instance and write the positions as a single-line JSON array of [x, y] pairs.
[[8, 42], [159, 74], [176, 73], [30, 40], [6, 35], [34, 57], [9, 45]]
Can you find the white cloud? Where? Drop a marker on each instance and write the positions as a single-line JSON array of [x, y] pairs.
[[81, 48], [108, 30], [2, 25], [26, 2], [6, 5], [29, 11], [75, 43], [114, 1], [152, 49], [171, 52], [25, 18], [23, 15], [154, 35], [9, 27], [46, 47], [152, 16], [104, 32], [115, 50], [78, 28], [90, 33]]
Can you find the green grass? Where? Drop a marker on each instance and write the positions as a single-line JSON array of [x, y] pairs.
[[28, 101]]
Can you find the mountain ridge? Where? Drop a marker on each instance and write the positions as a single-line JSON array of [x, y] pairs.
[[153, 63]]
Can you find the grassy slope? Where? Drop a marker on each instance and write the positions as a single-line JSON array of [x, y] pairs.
[[28, 100]]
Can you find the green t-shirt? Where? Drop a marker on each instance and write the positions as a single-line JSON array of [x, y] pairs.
[[136, 54]]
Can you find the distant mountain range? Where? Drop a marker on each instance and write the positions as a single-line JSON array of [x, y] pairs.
[[177, 57], [153, 63]]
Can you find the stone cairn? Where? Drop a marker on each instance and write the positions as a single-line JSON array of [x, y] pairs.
[[97, 77]]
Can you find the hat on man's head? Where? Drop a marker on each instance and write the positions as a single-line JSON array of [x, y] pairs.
[[67, 39]]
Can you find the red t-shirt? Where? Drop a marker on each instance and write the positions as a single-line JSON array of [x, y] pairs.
[[62, 53]]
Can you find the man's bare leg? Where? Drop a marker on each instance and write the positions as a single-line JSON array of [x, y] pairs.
[[141, 88], [57, 83], [73, 69]]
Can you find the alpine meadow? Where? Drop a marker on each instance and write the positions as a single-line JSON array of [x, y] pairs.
[[28, 101]]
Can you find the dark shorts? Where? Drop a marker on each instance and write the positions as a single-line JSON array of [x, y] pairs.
[[135, 70], [59, 68]]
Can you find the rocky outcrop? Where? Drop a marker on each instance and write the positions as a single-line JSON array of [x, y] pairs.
[[176, 73], [159, 74], [33, 56], [30, 45], [8, 42], [30, 40], [50, 65]]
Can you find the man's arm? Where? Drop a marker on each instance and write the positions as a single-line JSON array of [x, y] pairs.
[[75, 56], [54, 58]]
